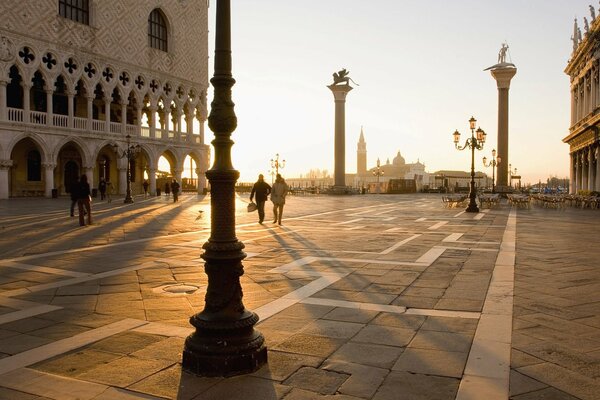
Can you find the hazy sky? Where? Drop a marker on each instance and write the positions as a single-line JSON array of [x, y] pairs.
[[420, 69]]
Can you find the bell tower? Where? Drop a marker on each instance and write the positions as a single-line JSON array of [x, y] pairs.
[[361, 155]]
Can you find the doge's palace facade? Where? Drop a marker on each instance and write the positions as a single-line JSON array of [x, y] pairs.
[[81, 78]]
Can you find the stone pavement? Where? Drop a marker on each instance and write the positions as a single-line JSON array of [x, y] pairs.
[[360, 297]]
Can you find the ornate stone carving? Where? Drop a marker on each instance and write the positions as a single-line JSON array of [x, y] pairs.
[[7, 49]]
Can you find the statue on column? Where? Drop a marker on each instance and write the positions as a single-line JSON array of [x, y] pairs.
[[592, 12], [586, 26], [342, 77], [502, 53]]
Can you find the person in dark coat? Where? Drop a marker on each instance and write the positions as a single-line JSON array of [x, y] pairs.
[[102, 188], [167, 189], [262, 190], [84, 200], [74, 195], [175, 190]]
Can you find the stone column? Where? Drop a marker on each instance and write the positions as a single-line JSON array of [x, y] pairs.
[[139, 119], [70, 108], [124, 117], [597, 182], [167, 117], [49, 107], [4, 170], [590, 158], [573, 103], [201, 179], [339, 94], [577, 173], [503, 75], [48, 178], [3, 110], [152, 178], [152, 120], [123, 178], [90, 112], [26, 102], [584, 169], [572, 173], [107, 101], [177, 174]]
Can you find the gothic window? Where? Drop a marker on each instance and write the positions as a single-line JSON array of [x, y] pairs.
[[157, 30], [34, 166], [76, 10]]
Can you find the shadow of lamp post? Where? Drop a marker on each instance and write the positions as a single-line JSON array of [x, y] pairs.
[[474, 142], [493, 163], [128, 153], [377, 171], [224, 342]]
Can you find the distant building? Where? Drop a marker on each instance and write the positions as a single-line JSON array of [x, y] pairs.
[[77, 76], [459, 181], [583, 139]]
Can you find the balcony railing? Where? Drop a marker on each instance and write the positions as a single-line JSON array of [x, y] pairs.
[[81, 124]]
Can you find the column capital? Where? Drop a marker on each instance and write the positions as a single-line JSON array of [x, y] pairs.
[[49, 165], [503, 76], [340, 91], [6, 164]]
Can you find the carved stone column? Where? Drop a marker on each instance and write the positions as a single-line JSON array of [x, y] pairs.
[[339, 94], [167, 119], [107, 101], [70, 107], [124, 117], [152, 119], [123, 177], [201, 179], [26, 102], [584, 169], [152, 177], [577, 172], [49, 107], [572, 166], [503, 77], [590, 158], [4, 170], [89, 171], [48, 178], [3, 109], [597, 157], [90, 111], [225, 341]]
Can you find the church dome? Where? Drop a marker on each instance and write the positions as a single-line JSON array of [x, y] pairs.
[[399, 160]]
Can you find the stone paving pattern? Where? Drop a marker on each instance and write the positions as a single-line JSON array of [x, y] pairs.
[[390, 294]]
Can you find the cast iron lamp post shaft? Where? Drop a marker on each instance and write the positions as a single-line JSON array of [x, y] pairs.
[[378, 172], [476, 141], [224, 342]]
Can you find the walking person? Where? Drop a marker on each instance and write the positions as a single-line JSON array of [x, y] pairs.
[[102, 188], [167, 189], [74, 195], [145, 186], [84, 200], [280, 190], [175, 190], [262, 190]]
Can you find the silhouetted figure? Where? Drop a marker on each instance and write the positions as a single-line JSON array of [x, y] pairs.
[[175, 190], [145, 186], [74, 196], [84, 200], [262, 190], [109, 190], [278, 193], [167, 189], [102, 188]]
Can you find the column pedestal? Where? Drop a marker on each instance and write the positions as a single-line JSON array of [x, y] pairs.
[[339, 94]]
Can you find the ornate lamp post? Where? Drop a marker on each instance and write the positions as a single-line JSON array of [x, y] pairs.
[[377, 171], [276, 164], [224, 342], [128, 153], [474, 142], [493, 163]]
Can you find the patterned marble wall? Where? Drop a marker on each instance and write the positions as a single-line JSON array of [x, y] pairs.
[[118, 31]]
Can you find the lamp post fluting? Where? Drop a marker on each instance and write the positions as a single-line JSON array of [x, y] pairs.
[[493, 163], [476, 141], [224, 342], [128, 153], [377, 171]]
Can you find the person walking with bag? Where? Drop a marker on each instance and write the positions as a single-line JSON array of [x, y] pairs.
[[262, 190], [280, 190], [84, 200]]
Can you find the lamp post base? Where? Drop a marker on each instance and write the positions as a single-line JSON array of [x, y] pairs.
[[128, 199], [472, 208], [224, 348]]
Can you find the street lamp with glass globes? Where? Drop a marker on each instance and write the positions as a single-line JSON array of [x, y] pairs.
[[276, 164], [129, 153], [476, 141], [493, 163], [377, 171]]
